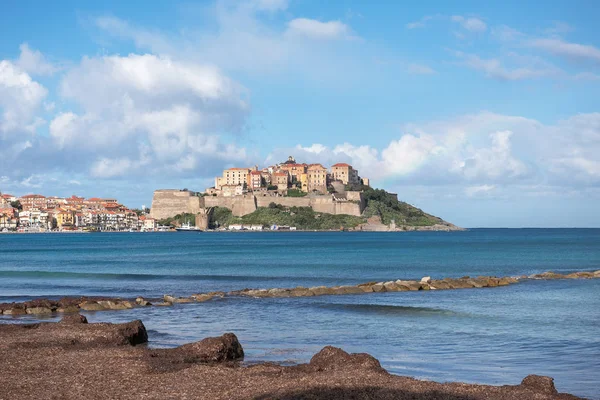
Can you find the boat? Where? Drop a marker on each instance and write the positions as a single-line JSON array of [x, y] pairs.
[[188, 228]]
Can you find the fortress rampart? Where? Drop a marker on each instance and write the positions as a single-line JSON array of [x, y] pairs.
[[168, 203]]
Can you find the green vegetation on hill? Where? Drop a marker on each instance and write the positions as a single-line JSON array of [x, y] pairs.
[[178, 219], [300, 217], [388, 208]]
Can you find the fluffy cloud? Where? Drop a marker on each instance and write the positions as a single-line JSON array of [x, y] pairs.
[[483, 152], [20, 99], [318, 30], [34, 62], [144, 113]]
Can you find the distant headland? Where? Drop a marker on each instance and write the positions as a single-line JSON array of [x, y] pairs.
[[292, 195]]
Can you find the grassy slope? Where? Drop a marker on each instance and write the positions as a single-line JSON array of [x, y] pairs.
[[379, 203]]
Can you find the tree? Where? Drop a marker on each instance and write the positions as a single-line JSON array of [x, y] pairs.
[[16, 204]]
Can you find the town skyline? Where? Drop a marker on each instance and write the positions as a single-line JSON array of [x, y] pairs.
[[484, 116]]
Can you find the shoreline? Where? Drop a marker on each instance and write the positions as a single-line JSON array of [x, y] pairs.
[[97, 303], [111, 361]]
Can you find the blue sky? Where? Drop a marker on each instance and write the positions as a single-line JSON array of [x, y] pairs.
[[486, 114]]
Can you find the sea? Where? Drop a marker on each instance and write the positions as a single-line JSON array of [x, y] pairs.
[[491, 335]]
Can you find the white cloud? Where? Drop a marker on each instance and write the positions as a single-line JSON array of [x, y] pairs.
[[146, 113], [34, 62], [318, 30], [20, 99], [314, 148], [471, 24], [484, 152], [560, 47]]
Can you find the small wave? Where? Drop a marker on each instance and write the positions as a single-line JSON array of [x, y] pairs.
[[386, 309]]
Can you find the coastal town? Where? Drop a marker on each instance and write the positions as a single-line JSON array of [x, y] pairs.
[[39, 213]]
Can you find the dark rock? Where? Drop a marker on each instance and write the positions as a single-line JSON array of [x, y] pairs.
[[41, 304], [212, 349], [39, 310], [133, 332], [543, 384], [74, 319], [332, 358]]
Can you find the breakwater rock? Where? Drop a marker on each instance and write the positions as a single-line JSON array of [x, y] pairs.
[[53, 360], [70, 305]]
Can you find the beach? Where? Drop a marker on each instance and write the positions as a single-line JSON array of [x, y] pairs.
[[75, 359]]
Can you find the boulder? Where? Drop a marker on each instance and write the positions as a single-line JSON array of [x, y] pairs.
[[115, 304], [201, 297], [580, 275], [348, 290], [45, 303], [441, 285], [333, 358], [476, 283], [74, 319], [492, 281], [378, 287], [366, 288], [504, 282], [301, 292], [426, 279], [410, 285], [91, 306], [321, 290], [73, 331], [543, 384], [212, 349], [39, 310], [15, 311], [140, 301], [277, 292], [171, 299], [390, 286], [257, 293], [132, 333], [163, 304]]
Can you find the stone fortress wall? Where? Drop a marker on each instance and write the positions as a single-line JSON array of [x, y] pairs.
[[168, 203]]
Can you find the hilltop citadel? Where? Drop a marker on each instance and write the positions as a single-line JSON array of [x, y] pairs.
[[288, 184]]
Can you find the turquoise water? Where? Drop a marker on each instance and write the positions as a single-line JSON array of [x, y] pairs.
[[494, 336]]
